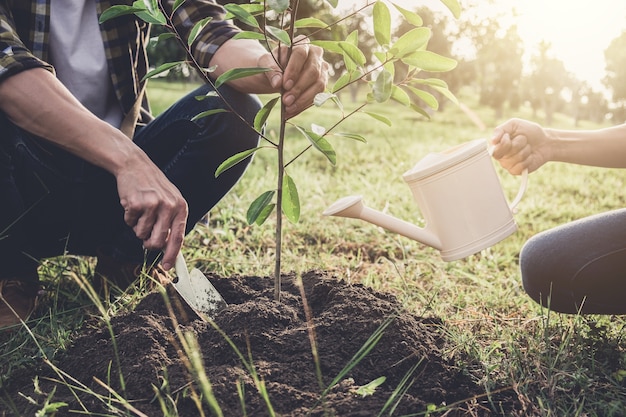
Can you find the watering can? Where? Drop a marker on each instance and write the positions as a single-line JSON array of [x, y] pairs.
[[460, 197]]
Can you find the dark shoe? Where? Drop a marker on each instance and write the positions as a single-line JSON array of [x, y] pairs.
[[17, 302], [111, 273]]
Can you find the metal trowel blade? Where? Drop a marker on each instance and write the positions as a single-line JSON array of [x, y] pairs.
[[196, 289], [208, 299]]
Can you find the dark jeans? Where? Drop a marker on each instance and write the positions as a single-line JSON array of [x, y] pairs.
[[52, 202], [579, 266]]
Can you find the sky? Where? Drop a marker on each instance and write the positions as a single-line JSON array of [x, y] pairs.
[[579, 30]]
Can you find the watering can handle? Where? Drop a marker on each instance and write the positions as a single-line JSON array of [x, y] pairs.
[[523, 185], [522, 190]]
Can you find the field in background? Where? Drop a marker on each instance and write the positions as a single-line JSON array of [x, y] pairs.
[[559, 365]]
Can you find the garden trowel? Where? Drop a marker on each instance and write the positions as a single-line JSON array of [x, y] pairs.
[[196, 289]]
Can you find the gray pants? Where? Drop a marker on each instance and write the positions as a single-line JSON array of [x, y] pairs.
[[579, 266]]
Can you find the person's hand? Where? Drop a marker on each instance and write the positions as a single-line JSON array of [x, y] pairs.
[[154, 208], [305, 74], [519, 144]]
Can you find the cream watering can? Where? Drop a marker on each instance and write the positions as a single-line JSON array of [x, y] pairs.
[[460, 197]]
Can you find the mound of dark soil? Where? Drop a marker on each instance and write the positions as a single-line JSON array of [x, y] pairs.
[[276, 338]]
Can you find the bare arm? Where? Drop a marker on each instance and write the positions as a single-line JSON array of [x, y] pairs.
[[36, 101], [520, 144], [603, 148]]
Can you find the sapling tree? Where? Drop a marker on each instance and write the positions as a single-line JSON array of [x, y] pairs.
[[274, 23]]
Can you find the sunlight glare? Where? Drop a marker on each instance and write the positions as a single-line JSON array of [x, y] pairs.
[[579, 31]]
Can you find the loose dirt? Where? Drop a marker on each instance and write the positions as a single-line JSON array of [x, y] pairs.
[[295, 357]]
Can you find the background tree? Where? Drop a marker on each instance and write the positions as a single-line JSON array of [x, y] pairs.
[[491, 55], [547, 81], [594, 106], [615, 80], [499, 70], [586, 103], [441, 42], [489, 59]]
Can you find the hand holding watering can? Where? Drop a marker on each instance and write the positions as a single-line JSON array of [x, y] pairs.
[[460, 197]]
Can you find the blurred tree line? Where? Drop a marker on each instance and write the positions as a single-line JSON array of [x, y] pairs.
[[489, 57]]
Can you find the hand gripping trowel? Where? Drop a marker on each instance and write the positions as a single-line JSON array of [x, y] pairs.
[[196, 289]]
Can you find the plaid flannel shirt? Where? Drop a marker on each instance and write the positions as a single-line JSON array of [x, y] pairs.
[[24, 36]]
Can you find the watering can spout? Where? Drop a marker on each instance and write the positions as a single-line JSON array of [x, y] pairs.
[[353, 207]]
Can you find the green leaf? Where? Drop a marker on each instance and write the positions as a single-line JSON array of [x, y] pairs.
[[322, 98], [420, 111], [234, 160], [264, 113], [209, 94], [333, 3], [379, 117], [152, 5], [382, 23], [258, 206], [154, 19], [400, 96], [413, 40], [236, 73], [370, 388], [453, 6], [329, 46], [163, 36], [353, 53], [438, 85], [265, 214], [151, 13], [381, 56], [353, 38], [411, 17], [247, 34], [449, 95], [177, 4], [430, 61], [242, 14], [432, 82], [119, 10], [210, 69], [162, 68], [197, 28], [310, 22], [382, 86], [390, 67], [253, 9], [429, 99], [351, 136], [321, 144], [208, 113], [278, 34], [278, 6], [290, 200], [341, 82]]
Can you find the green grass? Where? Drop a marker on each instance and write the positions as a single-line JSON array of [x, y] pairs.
[[558, 364]]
